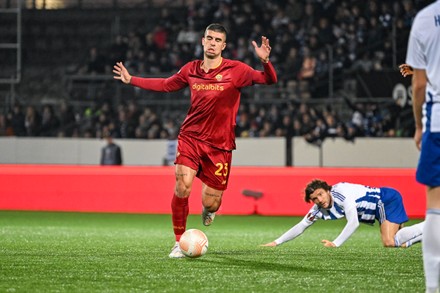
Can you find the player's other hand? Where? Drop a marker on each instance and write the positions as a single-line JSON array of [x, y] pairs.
[[121, 73], [269, 244], [405, 70], [263, 51], [328, 243]]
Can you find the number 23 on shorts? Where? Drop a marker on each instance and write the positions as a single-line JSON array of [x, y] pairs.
[[222, 170]]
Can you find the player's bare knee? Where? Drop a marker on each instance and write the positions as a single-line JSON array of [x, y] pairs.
[[211, 204], [182, 189], [211, 200], [212, 208], [388, 243]]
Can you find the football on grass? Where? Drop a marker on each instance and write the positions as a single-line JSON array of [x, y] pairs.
[[193, 243]]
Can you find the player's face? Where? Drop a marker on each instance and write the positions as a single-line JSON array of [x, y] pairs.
[[321, 198], [213, 44]]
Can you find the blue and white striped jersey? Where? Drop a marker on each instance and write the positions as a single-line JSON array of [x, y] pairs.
[[357, 203], [347, 196]]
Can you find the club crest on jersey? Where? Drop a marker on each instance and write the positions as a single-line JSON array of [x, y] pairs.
[[219, 77], [310, 217]]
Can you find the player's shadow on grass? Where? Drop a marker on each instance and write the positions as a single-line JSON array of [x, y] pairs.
[[229, 260]]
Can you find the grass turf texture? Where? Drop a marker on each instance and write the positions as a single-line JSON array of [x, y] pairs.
[[87, 252]]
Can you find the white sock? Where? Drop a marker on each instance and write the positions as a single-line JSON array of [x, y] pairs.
[[414, 240], [409, 235], [431, 249]]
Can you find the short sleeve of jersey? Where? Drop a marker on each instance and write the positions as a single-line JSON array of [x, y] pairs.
[[415, 56], [423, 48]]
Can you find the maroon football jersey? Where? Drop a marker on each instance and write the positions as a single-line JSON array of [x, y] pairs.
[[215, 97]]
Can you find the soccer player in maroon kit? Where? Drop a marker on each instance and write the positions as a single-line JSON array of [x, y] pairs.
[[207, 135]]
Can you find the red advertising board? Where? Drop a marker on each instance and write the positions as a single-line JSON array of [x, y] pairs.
[[128, 189]]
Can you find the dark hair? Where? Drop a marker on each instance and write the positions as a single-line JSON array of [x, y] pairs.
[[216, 27], [313, 185]]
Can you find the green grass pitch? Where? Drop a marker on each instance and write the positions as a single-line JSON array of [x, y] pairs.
[[90, 252]]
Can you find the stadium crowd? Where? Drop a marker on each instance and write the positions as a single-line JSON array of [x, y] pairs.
[[359, 33], [133, 121], [302, 32]]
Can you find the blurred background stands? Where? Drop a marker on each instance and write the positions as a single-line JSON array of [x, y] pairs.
[[336, 61]]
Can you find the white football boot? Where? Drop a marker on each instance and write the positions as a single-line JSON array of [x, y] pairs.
[[176, 252], [207, 217]]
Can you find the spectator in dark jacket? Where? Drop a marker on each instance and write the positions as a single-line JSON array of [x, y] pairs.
[[111, 153]]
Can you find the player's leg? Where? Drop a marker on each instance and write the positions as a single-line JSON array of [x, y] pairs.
[[387, 231], [214, 174], [431, 240], [187, 158], [428, 173], [211, 201], [409, 235], [179, 204], [392, 215]]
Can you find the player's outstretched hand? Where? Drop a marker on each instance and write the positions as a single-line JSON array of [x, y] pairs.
[[269, 244], [263, 51], [121, 73], [405, 70], [328, 243]]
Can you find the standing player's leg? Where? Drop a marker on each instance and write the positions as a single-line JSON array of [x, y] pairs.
[[431, 240], [428, 173], [179, 204], [211, 201]]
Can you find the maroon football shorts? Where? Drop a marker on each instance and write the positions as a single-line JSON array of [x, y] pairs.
[[212, 165]]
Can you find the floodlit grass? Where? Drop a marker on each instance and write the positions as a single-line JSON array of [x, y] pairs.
[[86, 252]]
